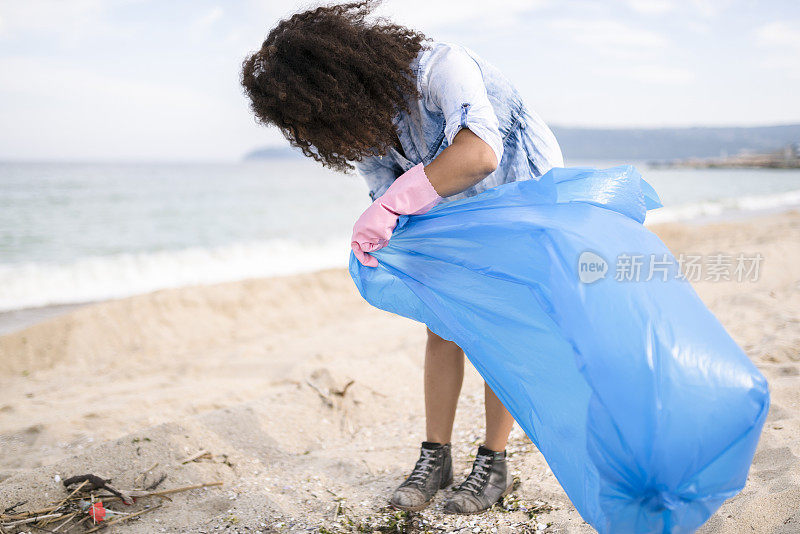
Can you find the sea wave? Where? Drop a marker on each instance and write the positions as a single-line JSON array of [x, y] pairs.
[[720, 209], [30, 285]]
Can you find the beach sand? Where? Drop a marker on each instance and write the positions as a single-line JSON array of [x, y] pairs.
[[310, 401]]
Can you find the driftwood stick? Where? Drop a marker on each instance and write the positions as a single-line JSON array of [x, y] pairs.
[[343, 391], [40, 528], [157, 483], [143, 474], [59, 505], [194, 457], [13, 517], [67, 520], [121, 519], [31, 520], [185, 488], [11, 508], [78, 523], [325, 398], [24, 515], [162, 493]]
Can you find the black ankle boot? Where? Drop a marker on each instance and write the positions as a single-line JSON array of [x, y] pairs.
[[433, 471], [486, 484]]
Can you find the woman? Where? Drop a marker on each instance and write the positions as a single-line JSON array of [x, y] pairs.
[[424, 122]]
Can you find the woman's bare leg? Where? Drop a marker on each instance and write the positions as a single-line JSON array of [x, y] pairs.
[[498, 421], [444, 373]]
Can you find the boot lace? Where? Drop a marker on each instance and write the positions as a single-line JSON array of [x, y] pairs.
[[476, 481], [423, 467]]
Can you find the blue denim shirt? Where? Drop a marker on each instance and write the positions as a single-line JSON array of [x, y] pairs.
[[460, 90]]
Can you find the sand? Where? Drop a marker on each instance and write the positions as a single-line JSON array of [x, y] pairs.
[[257, 373]]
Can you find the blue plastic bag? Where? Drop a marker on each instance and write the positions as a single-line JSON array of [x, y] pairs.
[[646, 410]]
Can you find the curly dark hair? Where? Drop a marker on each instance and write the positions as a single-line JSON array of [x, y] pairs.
[[332, 81]]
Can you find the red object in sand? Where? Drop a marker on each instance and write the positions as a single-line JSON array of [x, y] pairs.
[[97, 512]]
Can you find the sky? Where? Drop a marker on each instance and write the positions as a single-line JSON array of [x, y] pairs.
[[141, 80]]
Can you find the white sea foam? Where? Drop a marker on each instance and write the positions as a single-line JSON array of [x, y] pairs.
[[27, 285], [722, 208]]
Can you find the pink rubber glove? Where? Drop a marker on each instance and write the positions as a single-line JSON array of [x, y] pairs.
[[410, 194]]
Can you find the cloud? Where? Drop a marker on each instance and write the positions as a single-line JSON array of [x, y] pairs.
[[779, 34], [141, 78], [63, 21], [710, 8], [780, 45], [651, 7], [208, 19], [89, 113], [699, 26], [652, 74], [428, 14], [608, 33]]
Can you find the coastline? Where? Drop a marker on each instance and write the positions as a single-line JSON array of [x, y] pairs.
[[248, 370], [696, 215]]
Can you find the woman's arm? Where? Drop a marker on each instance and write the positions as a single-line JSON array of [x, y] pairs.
[[464, 163], [452, 84], [467, 161], [461, 165]]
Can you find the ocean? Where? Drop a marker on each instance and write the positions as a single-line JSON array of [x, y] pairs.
[[74, 232]]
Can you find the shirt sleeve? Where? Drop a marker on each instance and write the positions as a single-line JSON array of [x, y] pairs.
[[378, 174], [453, 83]]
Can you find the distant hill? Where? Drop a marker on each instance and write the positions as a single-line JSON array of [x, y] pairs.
[[640, 143], [671, 143], [278, 152]]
